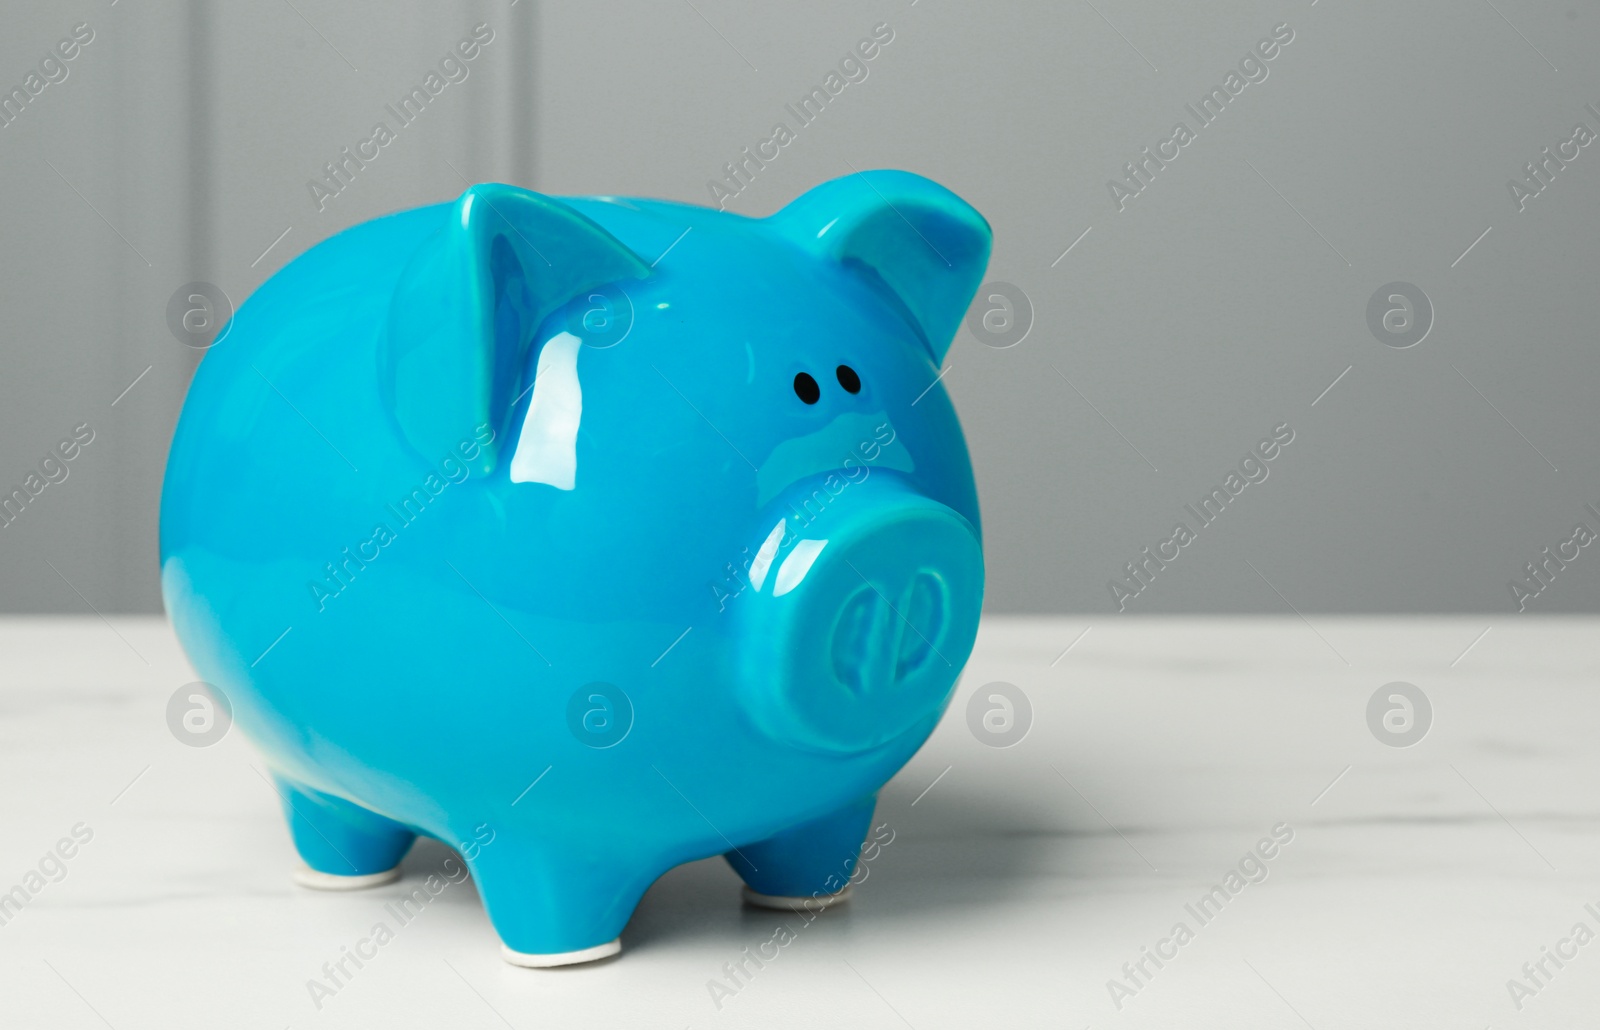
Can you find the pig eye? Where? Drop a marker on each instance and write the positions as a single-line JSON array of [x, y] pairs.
[[806, 388], [848, 379]]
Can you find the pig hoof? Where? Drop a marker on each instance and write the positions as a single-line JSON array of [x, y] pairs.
[[561, 958], [795, 904], [306, 876]]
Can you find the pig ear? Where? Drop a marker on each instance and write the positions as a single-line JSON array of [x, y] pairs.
[[468, 303], [908, 236]]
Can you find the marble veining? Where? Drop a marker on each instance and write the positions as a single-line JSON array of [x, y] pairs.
[[1028, 885]]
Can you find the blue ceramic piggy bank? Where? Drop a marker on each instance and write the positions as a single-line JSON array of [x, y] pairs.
[[588, 536]]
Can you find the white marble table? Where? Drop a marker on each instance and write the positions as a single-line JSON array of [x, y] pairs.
[[1019, 881]]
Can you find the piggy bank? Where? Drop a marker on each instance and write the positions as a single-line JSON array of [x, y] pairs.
[[589, 536]]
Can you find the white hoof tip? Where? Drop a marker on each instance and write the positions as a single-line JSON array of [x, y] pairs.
[[305, 876], [561, 958], [784, 903]]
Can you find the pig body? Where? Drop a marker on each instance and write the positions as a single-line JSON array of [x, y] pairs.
[[589, 537]]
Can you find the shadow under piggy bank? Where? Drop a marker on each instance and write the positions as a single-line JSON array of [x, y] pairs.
[[957, 854]]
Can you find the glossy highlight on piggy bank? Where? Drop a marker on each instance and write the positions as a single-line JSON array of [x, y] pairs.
[[620, 533]]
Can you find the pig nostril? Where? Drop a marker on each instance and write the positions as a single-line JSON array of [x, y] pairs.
[[806, 388], [853, 638], [880, 642], [923, 609], [867, 646]]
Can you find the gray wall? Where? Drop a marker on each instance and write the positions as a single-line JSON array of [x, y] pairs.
[[182, 141], [1218, 304]]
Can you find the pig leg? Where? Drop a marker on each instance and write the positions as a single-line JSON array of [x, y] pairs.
[[344, 846], [806, 867], [556, 902]]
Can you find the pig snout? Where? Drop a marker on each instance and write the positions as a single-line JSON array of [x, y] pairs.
[[861, 610]]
